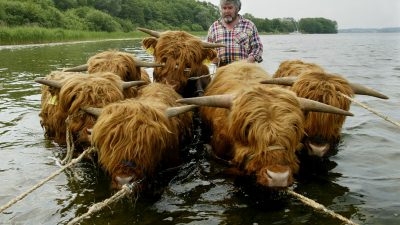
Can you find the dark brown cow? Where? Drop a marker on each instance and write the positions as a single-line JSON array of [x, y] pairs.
[[312, 82], [52, 117], [259, 127], [136, 137], [182, 55]]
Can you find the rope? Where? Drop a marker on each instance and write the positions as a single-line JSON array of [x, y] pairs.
[[70, 146], [199, 77], [23, 195], [371, 110], [125, 190], [302, 198], [320, 207]]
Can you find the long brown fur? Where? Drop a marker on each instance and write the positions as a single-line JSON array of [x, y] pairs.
[[260, 118], [178, 50], [93, 90], [316, 84], [52, 115], [138, 131], [294, 68], [324, 88], [120, 63]]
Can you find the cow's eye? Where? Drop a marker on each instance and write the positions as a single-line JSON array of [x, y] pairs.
[[247, 129]]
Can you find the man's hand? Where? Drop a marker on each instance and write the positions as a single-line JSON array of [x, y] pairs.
[[251, 59]]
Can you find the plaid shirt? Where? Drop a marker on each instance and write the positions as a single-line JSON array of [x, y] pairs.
[[243, 41]]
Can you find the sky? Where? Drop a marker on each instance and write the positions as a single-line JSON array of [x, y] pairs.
[[347, 13]]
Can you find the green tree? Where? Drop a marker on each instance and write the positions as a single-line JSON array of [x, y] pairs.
[[318, 25]]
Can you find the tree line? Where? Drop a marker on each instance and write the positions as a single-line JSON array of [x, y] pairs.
[[126, 15]]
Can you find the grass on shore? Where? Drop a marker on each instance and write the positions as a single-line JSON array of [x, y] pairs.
[[37, 35]]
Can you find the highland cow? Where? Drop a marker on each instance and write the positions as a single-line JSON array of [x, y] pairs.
[[136, 137], [310, 81], [72, 93], [52, 117], [122, 64], [183, 56], [257, 127]]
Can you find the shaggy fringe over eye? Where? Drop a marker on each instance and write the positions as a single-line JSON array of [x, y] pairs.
[[52, 113], [263, 119], [179, 51], [324, 88], [119, 63], [93, 90], [138, 131]]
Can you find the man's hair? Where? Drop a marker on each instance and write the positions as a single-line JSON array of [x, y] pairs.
[[237, 3]]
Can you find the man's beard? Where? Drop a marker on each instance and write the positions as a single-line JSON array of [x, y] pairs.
[[229, 19]]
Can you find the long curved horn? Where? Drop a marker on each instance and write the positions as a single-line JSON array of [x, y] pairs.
[[212, 45], [174, 111], [362, 90], [93, 111], [288, 81], [151, 32], [129, 84], [50, 83], [140, 63], [80, 68], [221, 101], [311, 105]]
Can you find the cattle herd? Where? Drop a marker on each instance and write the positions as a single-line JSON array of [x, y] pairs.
[[258, 123]]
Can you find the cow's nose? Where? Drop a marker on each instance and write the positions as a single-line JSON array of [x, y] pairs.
[[319, 150], [123, 180], [278, 179]]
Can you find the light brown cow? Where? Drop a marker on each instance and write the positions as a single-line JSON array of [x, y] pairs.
[[120, 63], [259, 127], [76, 91], [312, 82], [182, 55], [136, 137]]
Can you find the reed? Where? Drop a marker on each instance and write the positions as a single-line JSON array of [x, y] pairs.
[[36, 35]]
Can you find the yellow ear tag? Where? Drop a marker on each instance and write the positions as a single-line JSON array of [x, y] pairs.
[[150, 50], [53, 100], [207, 62]]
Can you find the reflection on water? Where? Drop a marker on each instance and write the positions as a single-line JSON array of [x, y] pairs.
[[360, 182]]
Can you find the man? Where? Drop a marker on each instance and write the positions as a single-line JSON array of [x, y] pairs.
[[239, 34]]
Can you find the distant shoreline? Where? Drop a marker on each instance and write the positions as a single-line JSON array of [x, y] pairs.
[[371, 30]]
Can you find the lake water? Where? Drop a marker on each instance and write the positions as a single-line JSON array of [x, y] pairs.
[[362, 181]]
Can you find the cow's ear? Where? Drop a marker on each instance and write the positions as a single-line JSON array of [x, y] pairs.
[[210, 54], [149, 42]]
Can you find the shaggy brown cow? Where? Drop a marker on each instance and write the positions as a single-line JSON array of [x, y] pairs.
[[182, 55], [121, 63], [296, 67], [76, 91], [312, 82], [259, 127], [52, 117], [136, 137]]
